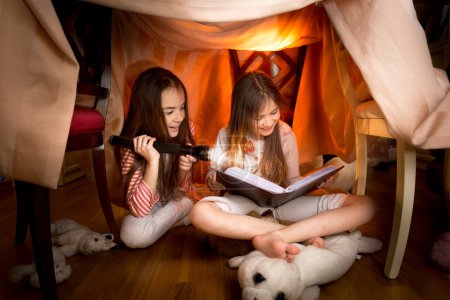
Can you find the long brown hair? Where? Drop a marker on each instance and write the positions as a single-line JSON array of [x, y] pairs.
[[250, 93], [146, 116]]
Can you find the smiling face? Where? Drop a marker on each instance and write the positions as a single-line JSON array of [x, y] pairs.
[[173, 105], [266, 119]]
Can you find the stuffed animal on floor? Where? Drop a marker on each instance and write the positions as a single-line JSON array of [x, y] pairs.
[[62, 270], [440, 252], [72, 238], [265, 278]]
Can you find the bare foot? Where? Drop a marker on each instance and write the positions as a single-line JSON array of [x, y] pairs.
[[272, 245], [316, 242]]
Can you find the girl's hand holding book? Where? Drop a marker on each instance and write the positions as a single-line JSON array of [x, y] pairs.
[[212, 183], [327, 183]]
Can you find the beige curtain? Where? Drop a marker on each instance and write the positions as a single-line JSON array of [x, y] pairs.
[[207, 10], [38, 80], [389, 46]]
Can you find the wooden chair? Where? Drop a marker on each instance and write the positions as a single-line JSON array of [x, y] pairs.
[[87, 28], [369, 120], [283, 66], [86, 132], [447, 181]]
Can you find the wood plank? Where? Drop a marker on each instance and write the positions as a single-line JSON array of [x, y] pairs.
[[182, 265]]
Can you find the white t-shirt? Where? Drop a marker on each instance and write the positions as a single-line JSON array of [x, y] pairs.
[[254, 152]]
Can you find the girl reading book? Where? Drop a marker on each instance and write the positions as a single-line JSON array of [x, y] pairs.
[[257, 140], [155, 183]]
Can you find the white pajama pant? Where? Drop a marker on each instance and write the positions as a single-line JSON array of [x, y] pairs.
[[144, 231], [292, 211]]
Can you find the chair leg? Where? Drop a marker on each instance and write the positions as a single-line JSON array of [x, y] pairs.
[[36, 200], [404, 202], [361, 164], [23, 211], [98, 155], [447, 181]]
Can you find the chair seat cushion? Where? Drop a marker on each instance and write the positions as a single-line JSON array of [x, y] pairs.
[[86, 120], [369, 109]]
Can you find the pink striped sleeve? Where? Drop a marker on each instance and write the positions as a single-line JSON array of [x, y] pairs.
[[186, 184], [139, 197], [192, 128]]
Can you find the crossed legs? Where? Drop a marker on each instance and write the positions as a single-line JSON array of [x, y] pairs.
[[274, 239]]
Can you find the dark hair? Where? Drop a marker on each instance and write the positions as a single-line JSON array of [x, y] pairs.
[[146, 116], [250, 93]]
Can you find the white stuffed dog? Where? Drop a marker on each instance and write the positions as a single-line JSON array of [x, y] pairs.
[[62, 270], [265, 278], [72, 238]]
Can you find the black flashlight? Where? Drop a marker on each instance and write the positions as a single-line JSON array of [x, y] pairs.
[[200, 152]]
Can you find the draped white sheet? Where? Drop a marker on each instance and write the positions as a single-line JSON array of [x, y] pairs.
[[38, 78], [389, 46], [38, 75]]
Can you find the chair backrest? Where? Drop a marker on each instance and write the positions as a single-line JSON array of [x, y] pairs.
[[283, 66], [353, 84], [88, 30], [342, 57]]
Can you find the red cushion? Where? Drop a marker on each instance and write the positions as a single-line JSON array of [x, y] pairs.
[[86, 120]]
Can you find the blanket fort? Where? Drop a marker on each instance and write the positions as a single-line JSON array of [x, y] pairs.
[[191, 38]]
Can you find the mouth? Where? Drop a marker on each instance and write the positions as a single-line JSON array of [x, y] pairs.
[[266, 129], [173, 130]]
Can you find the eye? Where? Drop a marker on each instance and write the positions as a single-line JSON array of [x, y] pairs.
[[96, 239], [258, 278], [280, 296], [274, 112]]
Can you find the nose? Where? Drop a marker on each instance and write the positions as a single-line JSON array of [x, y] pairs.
[[266, 121], [179, 116]]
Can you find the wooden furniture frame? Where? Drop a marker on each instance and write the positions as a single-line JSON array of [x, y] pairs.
[[283, 66], [369, 120], [33, 201]]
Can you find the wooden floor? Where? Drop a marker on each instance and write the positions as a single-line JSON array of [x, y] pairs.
[[182, 265]]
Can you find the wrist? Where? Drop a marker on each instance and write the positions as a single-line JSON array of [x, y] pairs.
[[153, 161]]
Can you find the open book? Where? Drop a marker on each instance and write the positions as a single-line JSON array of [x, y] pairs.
[[266, 193]]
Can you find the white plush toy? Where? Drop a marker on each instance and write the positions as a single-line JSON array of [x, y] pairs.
[[62, 270], [72, 238], [265, 278]]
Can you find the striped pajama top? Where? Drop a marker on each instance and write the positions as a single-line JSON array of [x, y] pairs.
[[140, 199]]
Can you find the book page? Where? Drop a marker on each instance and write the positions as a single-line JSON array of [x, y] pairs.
[[255, 180], [323, 172]]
